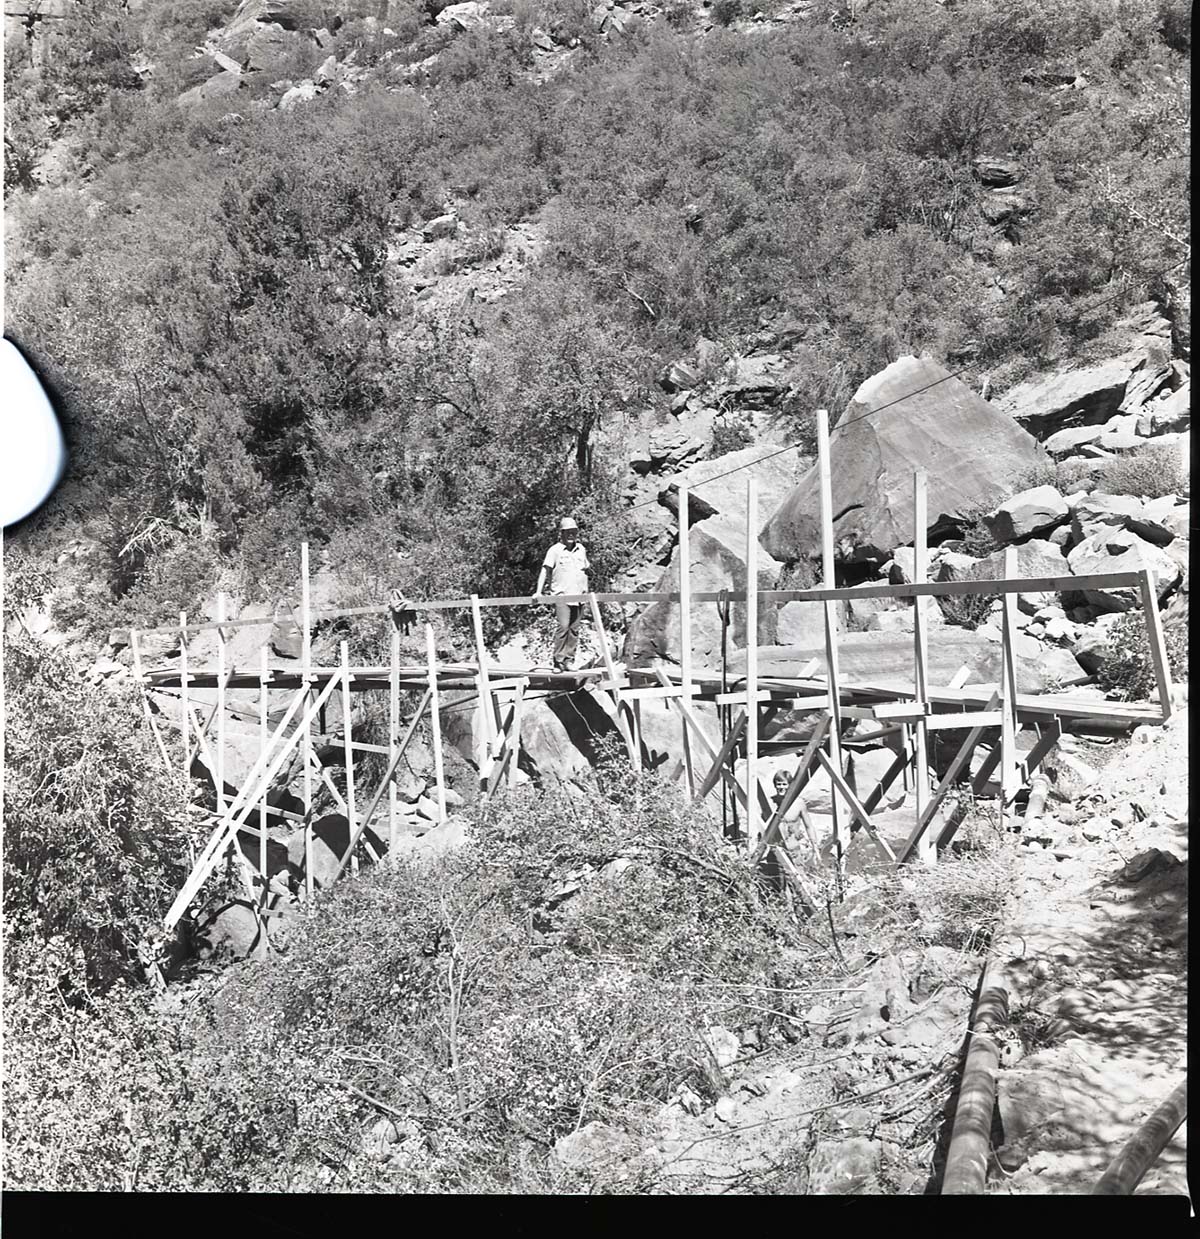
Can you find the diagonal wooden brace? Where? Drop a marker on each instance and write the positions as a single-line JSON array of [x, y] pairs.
[[852, 803], [260, 776], [960, 759]]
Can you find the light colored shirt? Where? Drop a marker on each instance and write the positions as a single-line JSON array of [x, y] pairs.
[[568, 569]]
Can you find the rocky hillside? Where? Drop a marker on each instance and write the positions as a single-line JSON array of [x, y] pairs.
[[408, 282]]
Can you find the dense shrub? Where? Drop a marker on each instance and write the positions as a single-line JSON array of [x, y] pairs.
[[1127, 671], [1150, 472], [95, 839], [502, 995]]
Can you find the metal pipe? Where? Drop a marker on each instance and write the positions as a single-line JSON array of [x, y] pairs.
[[1131, 1163], [970, 1138]]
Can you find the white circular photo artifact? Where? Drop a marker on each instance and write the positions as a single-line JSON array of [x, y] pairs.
[[34, 453]]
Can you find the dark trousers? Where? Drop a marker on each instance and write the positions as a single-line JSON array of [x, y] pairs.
[[566, 638]]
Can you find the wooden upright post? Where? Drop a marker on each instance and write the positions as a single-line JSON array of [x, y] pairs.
[[487, 739], [753, 819], [306, 741], [926, 848], [393, 728], [221, 654], [185, 722], [685, 629], [514, 732], [435, 721], [348, 747], [1008, 696], [825, 477], [140, 675], [264, 676], [1158, 647]]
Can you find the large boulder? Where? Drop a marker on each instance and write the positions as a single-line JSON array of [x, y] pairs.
[[1091, 395], [1171, 412], [718, 561], [717, 487], [845, 1167], [595, 1146], [913, 415], [1162, 520], [1073, 439], [1121, 550], [754, 382], [1027, 513], [886, 660], [232, 929], [1100, 513], [222, 86], [463, 16], [1035, 558], [1088, 396], [561, 734]]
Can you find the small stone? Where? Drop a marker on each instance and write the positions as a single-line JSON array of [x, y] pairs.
[[724, 1045], [690, 1102], [724, 1109]]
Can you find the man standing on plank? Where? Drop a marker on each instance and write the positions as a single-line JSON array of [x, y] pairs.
[[567, 565]]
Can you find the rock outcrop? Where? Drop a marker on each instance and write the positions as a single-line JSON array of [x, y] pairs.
[[913, 415], [718, 561]]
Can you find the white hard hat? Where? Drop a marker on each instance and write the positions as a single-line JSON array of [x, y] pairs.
[[567, 522]]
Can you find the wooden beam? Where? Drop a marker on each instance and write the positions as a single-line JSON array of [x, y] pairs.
[[925, 849], [719, 770], [1158, 645], [901, 711], [393, 728], [739, 697], [347, 750], [1051, 733], [435, 721], [1008, 698], [932, 589], [264, 678], [185, 710], [148, 714], [514, 743], [961, 676], [487, 717], [306, 760], [719, 757], [897, 768], [685, 629], [754, 823], [220, 711], [829, 581], [506, 754], [236, 813], [964, 718]]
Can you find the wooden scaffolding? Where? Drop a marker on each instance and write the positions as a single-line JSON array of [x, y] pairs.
[[500, 694]]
